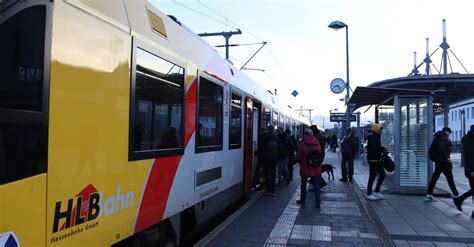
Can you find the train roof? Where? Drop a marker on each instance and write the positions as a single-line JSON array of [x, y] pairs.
[[143, 20]]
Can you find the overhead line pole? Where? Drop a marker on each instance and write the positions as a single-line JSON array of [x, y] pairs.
[[310, 120], [226, 35]]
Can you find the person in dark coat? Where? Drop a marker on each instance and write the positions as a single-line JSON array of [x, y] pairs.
[[374, 153], [442, 163], [283, 157], [308, 144], [269, 159], [259, 167], [468, 152], [292, 143], [320, 137], [348, 151]]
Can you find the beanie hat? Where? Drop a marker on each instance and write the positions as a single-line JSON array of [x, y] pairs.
[[376, 128]]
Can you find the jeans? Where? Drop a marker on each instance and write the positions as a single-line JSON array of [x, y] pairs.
[[269, 167], [447, 170], [283, 170], [374, 169], [347, 163], [469, 192], [317, 192]]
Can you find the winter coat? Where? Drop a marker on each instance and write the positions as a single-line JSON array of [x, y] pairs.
[[309, 142], [283, 146], [443, 146], [349, 145], [269, 149], [468, 151], [374, 147]]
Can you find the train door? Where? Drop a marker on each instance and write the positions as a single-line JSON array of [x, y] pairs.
[[248, 143], [24, 120], [256, 115]]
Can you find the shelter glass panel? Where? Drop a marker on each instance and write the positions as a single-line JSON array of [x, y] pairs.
[[387, 120], [413, 142]]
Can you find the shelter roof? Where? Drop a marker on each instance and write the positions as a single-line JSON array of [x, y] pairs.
[[455, 87], [364, 96]]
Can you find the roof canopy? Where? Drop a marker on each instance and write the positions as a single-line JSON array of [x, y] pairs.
[[450, 88], [364, 96]]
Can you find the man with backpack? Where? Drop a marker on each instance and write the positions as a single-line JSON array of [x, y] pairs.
[[269, 159], [348, 151], [439, 152], [309, 155], [468, 152]]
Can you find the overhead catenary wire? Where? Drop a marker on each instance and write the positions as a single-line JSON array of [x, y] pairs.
[[277, 62], [228, 20], [203, 14], [235, 25]]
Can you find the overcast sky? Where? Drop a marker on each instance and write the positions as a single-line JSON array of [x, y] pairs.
[[303, 54]]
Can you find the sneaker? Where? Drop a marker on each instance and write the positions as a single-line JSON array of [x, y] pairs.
[[458, 203], [372, 198], [429, 198], [301, 202], [379, 195]]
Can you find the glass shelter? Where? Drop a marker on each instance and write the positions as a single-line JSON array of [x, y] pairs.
[[407, 120]]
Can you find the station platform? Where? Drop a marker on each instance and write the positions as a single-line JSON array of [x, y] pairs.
[[346, 218]]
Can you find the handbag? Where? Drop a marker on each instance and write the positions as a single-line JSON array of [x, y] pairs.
[[387, 162]]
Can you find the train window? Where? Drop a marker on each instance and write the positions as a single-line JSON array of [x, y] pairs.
[[235, 128], [21, 63], [23, 115], [268, 117], [209, 127], [281, 122], [275, 119], [156, 108]]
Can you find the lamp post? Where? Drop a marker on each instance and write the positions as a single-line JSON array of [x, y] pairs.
[[336, 25]]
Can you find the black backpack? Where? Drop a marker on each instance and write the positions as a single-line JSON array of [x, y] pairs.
[[433, 151], [314, 158]]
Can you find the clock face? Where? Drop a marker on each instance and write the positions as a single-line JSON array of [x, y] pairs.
[[338, 85]]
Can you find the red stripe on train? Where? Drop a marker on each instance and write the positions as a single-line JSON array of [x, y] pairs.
[[163, 172]]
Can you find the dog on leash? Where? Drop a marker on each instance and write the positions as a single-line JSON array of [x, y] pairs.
[[329, 169]]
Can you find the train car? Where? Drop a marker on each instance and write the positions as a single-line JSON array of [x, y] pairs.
[[119, 126]]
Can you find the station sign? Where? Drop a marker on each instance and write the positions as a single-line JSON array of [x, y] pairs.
[[341, 117]]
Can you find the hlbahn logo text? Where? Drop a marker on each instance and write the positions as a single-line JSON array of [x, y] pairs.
[[89, 205]]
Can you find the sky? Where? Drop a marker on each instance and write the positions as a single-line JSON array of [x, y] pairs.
[[303, 54]]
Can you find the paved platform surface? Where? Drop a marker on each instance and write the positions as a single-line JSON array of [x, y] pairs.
[[279, 221], [346, 218], [411, 221]]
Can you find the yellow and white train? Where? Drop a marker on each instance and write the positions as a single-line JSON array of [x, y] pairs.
[[119, 126]]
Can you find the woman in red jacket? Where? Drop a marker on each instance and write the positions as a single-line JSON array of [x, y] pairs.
[[309, 144]]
